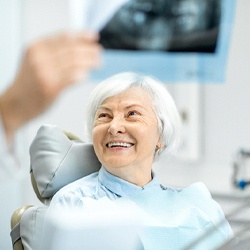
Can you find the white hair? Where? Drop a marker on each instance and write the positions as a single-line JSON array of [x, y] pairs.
[[169, 122]]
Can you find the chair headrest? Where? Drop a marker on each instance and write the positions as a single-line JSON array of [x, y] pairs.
[[56, 160]]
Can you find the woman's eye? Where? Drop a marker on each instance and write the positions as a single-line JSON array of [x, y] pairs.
[[103, 115], [133, 113]]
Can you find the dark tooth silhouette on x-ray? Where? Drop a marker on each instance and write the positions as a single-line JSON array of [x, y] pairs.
[[168, 25]]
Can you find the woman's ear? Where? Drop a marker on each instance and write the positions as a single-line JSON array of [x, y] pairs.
[[159, 147], [159, 144]]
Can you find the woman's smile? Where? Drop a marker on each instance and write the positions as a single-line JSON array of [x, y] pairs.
[[119, 144]]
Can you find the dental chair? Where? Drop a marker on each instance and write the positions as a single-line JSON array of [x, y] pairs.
[[57, 158]]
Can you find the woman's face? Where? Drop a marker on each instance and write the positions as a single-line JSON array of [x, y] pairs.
[[125, 132]]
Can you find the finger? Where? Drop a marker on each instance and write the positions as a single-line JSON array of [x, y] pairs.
[[83, 56], [75, 52], [67, 40], [87, 36], [60, 64], [66, 72], [77, 71]]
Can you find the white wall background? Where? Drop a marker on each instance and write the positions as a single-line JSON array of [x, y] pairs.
[[225, 117]]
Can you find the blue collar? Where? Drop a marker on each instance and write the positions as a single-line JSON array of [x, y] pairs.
[[124, 188]]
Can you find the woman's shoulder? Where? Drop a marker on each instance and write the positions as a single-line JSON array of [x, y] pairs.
[[194, 195], [198, 197], [197, 189], [84, 187], [82, 183]]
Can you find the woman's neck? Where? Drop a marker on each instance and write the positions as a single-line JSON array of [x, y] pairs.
[[136, 176]]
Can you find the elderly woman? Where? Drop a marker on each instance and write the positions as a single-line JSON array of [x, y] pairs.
[[133, 121]]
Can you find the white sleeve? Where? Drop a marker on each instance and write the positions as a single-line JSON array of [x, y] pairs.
[[10, 166]]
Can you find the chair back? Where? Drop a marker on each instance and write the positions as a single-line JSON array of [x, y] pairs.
[[57, 158]]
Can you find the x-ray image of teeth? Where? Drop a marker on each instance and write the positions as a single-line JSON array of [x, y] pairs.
[[167, 25]]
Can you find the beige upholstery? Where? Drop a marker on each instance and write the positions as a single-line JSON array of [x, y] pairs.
[[57, 158], [15, 220]]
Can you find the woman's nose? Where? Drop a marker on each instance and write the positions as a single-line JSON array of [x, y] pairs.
[[116, 127]]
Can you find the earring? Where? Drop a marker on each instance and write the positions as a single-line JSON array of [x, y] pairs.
[[157, 150]]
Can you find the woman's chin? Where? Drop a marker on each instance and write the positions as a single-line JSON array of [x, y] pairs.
[[114, 165]]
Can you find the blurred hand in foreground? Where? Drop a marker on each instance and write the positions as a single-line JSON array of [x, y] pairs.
[[49, 65]]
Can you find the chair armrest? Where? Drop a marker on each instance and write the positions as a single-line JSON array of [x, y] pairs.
[[15, 227]]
